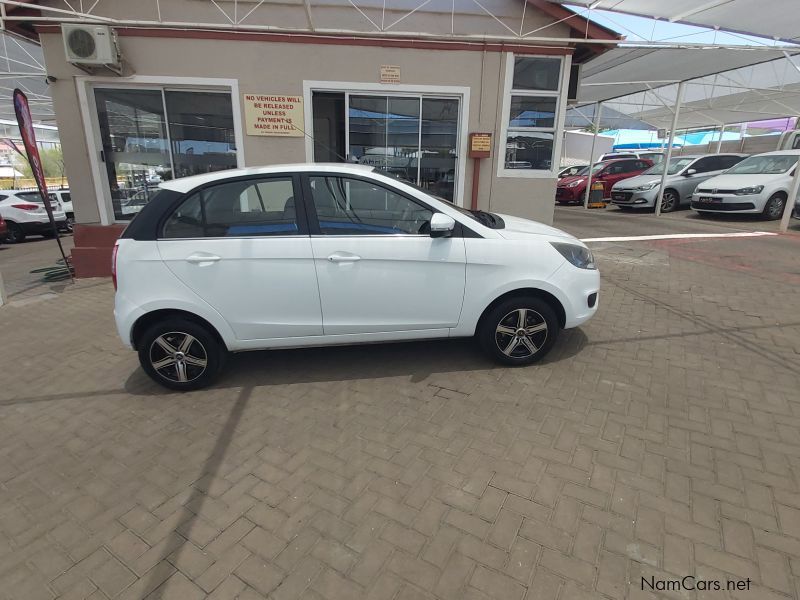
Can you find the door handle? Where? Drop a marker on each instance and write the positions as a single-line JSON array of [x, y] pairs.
[[202, 258], [343, 257]]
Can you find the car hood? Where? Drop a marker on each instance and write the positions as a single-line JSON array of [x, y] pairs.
[[638, 180], [734, 182], [565, 181], [518, 228]]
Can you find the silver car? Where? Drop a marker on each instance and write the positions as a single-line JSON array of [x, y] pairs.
[[684, 174]]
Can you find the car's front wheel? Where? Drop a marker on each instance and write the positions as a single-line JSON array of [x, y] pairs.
[[773, 209], [670, 201], [181, 355], [519, 331]]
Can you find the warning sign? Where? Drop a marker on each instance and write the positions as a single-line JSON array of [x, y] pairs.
[[274, 115]]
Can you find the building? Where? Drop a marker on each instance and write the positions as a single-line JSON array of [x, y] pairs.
[[215, 85]]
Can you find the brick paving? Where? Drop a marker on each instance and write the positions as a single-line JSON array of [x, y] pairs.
[[660, 440]]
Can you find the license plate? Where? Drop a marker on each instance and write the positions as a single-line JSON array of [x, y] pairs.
[[709, 199], [618, 196]]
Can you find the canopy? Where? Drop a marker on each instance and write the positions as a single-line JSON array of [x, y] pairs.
[[773, 19]]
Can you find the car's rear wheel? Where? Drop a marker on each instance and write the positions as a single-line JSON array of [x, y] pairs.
[[181, 355], [670, 201], [773, 209], [519, 331], [15, 233]]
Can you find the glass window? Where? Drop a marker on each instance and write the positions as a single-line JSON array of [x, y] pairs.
[[726, 162], [537, 73], [246, 208], [200, 131], [347, 206], [531, 120], [150, 136], [532, 111], [676, 165], [707, 164], [765, 164], [66, 196]]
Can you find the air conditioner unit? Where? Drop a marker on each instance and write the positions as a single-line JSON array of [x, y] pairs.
[[91, 46]]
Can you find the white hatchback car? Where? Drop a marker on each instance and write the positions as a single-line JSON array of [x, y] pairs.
[[313, 255], [760, 184], [25, 215]]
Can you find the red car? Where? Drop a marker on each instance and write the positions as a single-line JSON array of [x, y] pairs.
[[3, 230], [572, 189]]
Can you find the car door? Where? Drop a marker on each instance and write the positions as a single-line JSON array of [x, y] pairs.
[[378, 268], [243, 247], [704, 168], [616, 171]]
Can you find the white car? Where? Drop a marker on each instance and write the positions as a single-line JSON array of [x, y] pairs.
[[760, 184], [312, 255], [652, 155], [25, 214], [65, 198]]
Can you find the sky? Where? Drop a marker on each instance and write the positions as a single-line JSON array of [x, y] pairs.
[[645, 29]]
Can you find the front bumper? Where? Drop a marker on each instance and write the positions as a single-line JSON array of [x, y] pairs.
[[725, 203], [580, 288], [643, 199], [565, 194]]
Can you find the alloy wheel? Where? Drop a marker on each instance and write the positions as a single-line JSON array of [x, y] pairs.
[[775, 207], [178, 357], [521, 333], [668, 202]]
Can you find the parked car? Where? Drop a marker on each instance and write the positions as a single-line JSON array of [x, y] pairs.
[[3, 229], [759, 184], [684, 174], [653, 155], [25, 215], [572, 189], [314, 255], [572, 170], [65, 199]]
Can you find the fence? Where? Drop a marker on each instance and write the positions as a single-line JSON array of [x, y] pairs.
[[19, 183]]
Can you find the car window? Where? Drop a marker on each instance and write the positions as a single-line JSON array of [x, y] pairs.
[[726, 162], [36, 197], [66, 197], [704, 165], [261, 207], [347, 206], [640, 164]]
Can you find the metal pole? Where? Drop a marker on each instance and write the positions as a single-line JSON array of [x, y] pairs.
[[721, 135], [597, 114], [668, 157], [789, 208]]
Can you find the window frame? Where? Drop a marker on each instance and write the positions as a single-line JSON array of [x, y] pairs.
[[299, 204], [559, 94], [313, 220], [86, 101]]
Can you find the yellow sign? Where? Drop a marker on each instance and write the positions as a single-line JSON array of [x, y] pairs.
[[274, 115], [481, 142], [390, 74]]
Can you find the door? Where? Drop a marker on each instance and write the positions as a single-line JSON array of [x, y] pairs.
[[616, 171], [243, 247], [378, 268]]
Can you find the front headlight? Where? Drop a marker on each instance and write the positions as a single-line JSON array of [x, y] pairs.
[[646, 186], [749, 191], [573, 184], [578, 255]]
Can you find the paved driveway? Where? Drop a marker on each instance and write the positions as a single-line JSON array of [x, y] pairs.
[[660, 440]]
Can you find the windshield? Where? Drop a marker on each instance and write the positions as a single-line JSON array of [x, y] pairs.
[[764, 164], [487, 219], [676, 165]]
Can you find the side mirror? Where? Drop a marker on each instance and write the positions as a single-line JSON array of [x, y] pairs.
[[442, 225], [689, 172]]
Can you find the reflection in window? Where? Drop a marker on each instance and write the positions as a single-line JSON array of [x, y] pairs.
[[533, 107], [347, 206], [143, 145]]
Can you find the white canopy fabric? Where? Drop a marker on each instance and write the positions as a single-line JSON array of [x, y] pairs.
[[774, 19]]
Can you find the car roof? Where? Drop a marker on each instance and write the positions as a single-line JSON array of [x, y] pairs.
[[187, 184]]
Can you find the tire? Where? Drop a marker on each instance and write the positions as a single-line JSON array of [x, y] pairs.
[[538, 314], [15, 233], [773, 209], [670, 202], [182, 375], [70, 222]]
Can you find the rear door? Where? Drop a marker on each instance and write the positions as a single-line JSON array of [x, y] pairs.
[[379, 269], [243, 247]]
